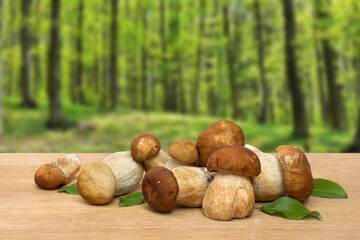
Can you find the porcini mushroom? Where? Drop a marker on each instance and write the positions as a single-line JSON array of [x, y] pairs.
[[193, 182], [97, 183], [270, 184], [219, 134], [144, 147], [61, 171], [127, 171], [159, 160], [230, 194], [160, 189], [297, 172]]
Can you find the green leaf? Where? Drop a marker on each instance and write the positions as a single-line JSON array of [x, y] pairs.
[[290, 208], [72, 189], [131, 200], [327, 188]]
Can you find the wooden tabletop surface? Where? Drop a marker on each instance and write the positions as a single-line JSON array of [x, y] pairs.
[[27, 212]]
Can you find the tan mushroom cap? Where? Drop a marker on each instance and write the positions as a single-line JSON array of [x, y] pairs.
[[97, 183], [219, 134], [184, 150], [297, 172], [160, 189], [49, 176], [144, 147], [236, 160]]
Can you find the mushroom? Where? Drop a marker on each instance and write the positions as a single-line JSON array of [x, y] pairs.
[[193, 182], [159, 160], [297, 172], [160, 189], [61, 171], [230, 194], [97, 183], [144, 147], [270, 184], [219, 134], [127, 171]]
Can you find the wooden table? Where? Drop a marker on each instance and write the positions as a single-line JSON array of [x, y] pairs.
[[27, 212]]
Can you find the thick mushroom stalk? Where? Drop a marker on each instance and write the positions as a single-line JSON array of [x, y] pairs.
[[193, 182], [270, 184], [229, 196]]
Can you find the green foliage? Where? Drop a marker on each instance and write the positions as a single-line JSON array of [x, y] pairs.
[[131, 200], [327, 188], [289, 208], [72, 189]]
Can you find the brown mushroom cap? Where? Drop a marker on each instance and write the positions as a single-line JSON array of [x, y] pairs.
[[236, 160], [49, 176], [185, 151], [160, 189], [144, 147], [297, 172], [97, 183], [219, 134]]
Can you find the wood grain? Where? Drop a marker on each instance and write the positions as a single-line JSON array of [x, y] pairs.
[[27, 212]]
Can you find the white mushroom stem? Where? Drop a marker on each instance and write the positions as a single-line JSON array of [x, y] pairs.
[[173, 163], [229, 196], [270, 184], [192, 182], [158, 161], [69, 164], [127, 171]]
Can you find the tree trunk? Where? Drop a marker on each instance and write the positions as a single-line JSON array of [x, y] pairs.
[[37, 76], [113, 56], [144, 61], [164, 66], [56, 116], [297, 100], [199, 50], [230, 61], [335, 100], [78, 80], [1, 75], [25, 77], [104, 60], [260, 42]]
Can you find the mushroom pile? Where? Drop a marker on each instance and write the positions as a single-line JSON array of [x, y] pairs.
[[221, 174], [218, 172]]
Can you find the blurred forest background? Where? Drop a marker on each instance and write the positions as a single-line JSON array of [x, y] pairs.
[[88, 76]]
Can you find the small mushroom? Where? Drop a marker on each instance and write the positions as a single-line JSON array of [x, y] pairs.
[[160, 189], [61, 171], [127, 171], [97, 183], [270, 184], [159, 160], [193, 182], [230, 194], [219, 134], [144, 147], [297, 172], [185, 151]]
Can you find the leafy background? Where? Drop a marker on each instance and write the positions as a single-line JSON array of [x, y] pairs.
[[177, 66]]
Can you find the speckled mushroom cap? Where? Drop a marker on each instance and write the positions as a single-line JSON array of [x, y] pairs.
[[144, 147], [49, 176], [297, 172], [184, 150], [236, 160], [219, 134], [160, 189]]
